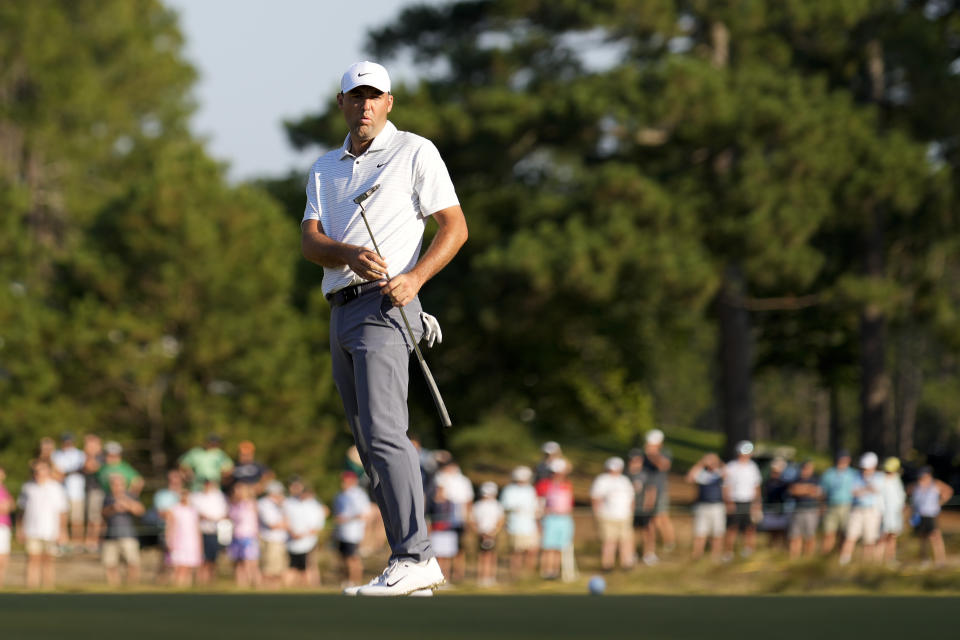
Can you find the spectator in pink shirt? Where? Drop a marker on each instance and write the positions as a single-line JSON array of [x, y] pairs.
[[245, 546], [6, 507]]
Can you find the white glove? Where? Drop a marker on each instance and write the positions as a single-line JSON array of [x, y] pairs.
[[431, 328]]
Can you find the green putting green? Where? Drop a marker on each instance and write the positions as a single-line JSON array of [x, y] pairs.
[[290, 617]]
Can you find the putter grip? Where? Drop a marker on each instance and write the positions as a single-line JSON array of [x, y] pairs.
[[435, 392]]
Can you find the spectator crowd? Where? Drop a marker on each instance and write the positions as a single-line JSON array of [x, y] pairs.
[[89, 499]]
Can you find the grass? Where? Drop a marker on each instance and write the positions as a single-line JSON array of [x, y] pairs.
[[291, 617]]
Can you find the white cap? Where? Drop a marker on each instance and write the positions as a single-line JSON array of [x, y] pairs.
[[655, 437], [275, 487], [868, 460], [488, 489], [559, 465], [744, 447], [550, 448], [113, 448], [365, 73], [613, 464], [522, 474]]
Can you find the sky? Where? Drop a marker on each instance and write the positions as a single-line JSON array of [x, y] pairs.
[[263, 61]]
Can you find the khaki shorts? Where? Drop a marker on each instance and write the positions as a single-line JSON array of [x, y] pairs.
[[709, 519], [274, 557], [803, 524], [616, 530], [38, 547], [77, 511], [864, 522], [127, 549], [836, 518], [95, 506], [524, 541]]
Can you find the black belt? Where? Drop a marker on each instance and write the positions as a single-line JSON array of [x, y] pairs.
[[347, 294]]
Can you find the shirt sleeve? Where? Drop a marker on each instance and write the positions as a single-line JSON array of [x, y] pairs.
[[312, 209], [432, 182]]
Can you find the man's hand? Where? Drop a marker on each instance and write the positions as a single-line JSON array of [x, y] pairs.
[[402, 288], [367, 264]]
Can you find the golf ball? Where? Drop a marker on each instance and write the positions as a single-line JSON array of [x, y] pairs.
[[597, 585]]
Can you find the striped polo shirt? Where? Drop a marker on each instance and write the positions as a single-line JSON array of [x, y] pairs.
[[414, 183]]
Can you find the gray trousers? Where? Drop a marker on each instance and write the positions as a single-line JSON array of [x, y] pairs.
[[370, 348]]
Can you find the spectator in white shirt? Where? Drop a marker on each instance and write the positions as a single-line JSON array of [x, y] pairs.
[[351, 511], [304, 522], [273, 534], [459, 492], [612, 496], [43, 525], [520, 502], [486, 519], [741, 494], [211, 506], [68, 462]]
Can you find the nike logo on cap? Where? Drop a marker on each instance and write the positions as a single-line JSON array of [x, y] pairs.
[[360, 75]]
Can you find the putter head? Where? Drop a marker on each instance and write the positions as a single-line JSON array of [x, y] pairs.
[[366, 194]]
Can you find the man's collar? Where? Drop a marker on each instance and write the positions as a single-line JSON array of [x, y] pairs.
[[379, 143]]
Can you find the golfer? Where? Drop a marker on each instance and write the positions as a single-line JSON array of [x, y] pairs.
[[369, 345]]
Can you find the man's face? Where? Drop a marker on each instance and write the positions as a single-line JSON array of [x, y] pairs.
[[843, 463], [365, 110]]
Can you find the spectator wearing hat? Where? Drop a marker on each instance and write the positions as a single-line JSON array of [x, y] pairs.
[[644, 500], [351, 511], [741, 494], [657, 461], [774, 492], [521, 505], [551, 451], [806, 492], [894, 501], [68, 461], [927, 497], [557, 500], [612, 497], [837, 484], [273, 534], [115, 464], [867, 511], [486, 520], [709, 511], [120, 510], [43, 524], [208, 463]]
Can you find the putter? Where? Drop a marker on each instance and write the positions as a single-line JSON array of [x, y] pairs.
[[434, 390]]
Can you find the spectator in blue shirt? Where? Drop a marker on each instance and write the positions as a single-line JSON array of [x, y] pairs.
[[866, 513], [837, 484]]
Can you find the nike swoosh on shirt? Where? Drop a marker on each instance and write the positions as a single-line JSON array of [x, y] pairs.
[[382, 164]]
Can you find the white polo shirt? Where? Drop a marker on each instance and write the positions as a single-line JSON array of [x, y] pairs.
[[414, 183]]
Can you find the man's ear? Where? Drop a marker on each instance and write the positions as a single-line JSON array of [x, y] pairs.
[[340, 100], [389, 102]]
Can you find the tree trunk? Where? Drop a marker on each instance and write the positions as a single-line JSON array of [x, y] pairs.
[[909, 387], [736, 360], [821, 420], [874, 381], [836, 428]]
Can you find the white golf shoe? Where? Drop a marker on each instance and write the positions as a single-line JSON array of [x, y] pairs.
[[405, 577]]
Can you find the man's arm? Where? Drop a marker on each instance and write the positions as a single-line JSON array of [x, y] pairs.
[[321, 249], [451, 235]]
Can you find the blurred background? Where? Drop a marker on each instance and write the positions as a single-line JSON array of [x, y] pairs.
[[726, 220]]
